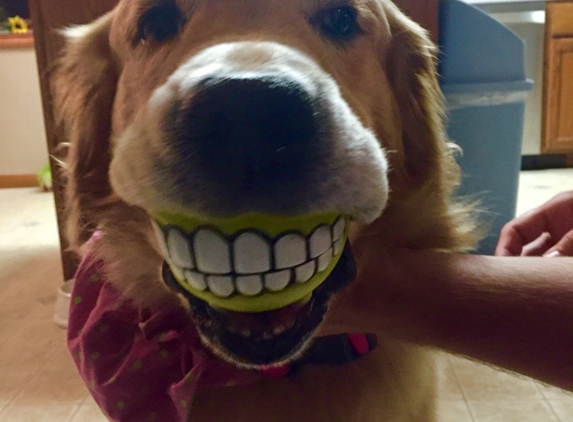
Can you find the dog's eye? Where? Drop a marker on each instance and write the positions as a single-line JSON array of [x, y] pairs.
[[160, 23], [338, 23]]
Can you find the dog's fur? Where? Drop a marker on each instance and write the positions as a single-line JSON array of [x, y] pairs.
[[108, 93]]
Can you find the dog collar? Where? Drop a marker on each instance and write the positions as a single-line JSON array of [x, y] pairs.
[[336, 349], [254, 262]]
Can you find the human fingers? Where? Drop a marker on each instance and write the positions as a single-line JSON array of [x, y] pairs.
[[563, 248], [520, 232], [539, 246], [554, 217]]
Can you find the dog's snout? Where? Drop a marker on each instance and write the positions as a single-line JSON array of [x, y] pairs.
[[249, 131]]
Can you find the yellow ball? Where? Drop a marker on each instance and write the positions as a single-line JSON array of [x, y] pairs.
[[253, 262]]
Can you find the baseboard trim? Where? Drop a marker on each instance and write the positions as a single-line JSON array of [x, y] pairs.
[[11, 40], [18, 181], [546, 161]]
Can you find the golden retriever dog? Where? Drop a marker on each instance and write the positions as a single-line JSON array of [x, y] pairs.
[[284, 109]]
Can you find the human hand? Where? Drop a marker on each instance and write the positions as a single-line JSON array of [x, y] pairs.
[[543, 231]]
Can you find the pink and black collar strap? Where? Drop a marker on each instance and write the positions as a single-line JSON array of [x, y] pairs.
[[329, 350]]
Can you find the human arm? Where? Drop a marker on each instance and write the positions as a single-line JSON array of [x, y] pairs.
[[514, 313]]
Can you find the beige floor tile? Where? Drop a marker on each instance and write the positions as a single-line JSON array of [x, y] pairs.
[[12, 381], [89, 412], [27, 214], [536, 187], [62, 361], [563, 409], [51, 395], [45, 411], [482, 383], [512, 411], [454, 411], [8, 328], [31, 345], [448, 388], [554, 393], [31, 284], [53, 385]]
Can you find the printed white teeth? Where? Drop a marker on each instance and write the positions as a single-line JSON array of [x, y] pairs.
[[251, 262], [177, 272], [320, 241], [250, 285], [290, 251], [305, 272], [221, 286], [324, 260], [338, 246], [160, 239], [179, 250], [212, 252], [338, 229], [196, 280], [252, 254], [275, 282]]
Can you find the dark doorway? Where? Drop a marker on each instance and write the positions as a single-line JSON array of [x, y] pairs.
[[16, 7]]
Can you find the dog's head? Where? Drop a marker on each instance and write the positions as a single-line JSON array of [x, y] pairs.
[[250, 133]]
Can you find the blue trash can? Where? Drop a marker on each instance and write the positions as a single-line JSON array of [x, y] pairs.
[[483, 79]]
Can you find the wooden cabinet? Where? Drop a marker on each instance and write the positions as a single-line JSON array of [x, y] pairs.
[[558, 84], [48, 16], [424, 12]]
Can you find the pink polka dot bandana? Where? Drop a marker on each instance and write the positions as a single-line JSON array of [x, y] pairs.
[[146, 366], [139, 365]]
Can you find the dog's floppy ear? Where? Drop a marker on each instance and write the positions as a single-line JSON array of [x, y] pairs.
[[429, 169], [84, 91], [410, 62]]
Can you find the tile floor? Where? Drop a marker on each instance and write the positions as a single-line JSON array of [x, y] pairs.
[[38, 381]]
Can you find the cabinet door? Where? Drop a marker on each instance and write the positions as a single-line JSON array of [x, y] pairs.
[[559, 99], [424, 12]]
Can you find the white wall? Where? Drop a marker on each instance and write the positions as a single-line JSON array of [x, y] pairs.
[[23, 148], [533, 35]]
